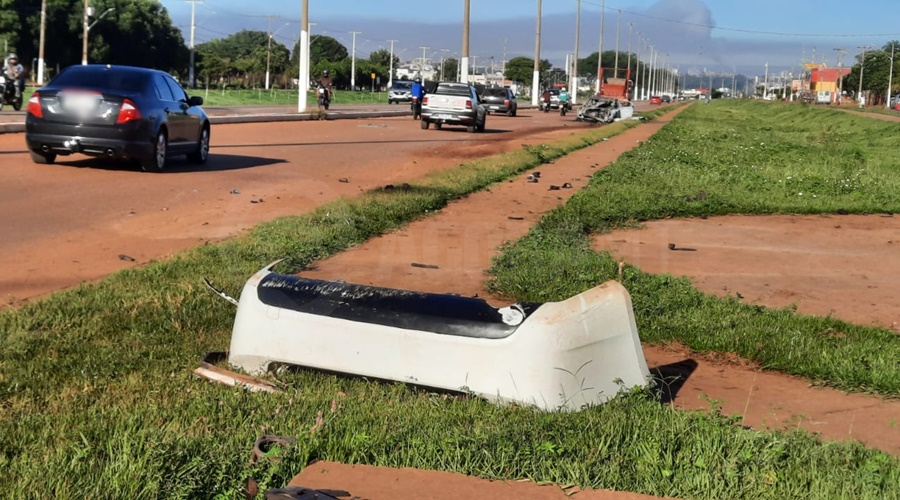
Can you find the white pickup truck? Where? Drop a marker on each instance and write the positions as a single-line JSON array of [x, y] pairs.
[[453, 104]]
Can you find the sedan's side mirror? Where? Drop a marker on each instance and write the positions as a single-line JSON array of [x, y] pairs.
[[195, 101]]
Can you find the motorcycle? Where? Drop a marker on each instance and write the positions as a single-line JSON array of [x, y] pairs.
[[416, 107], [564, 107], [323, 97], [8, 91]]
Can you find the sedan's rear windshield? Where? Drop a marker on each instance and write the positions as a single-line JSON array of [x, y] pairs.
[[109, 79], [495, 92], [448, 89]]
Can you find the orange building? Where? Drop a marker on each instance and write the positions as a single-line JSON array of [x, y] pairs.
[[827, 79]]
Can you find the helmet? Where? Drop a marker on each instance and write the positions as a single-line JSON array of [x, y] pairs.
[[418, 80], [325, 73], [12, 56], [563, 90]]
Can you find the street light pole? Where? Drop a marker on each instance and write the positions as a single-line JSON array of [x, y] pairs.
[[391, 74], [887, 101], [303, 57], [40, 70], [463, 66], [353, 62], [536, 80], [574, 80], [87, 28], [629, 90], [600, 47], [862, 66]]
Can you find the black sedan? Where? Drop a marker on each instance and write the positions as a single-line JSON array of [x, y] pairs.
[[116, 112], [500, 100]]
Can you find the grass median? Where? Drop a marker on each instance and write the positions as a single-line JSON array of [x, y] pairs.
[[98, 400]]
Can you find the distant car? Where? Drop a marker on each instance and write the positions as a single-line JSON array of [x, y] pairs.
[[666, 98], [500, 100], [655, 99], [400, 91], [116, 112]]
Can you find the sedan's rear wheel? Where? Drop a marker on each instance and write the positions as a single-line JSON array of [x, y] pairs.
[[424, 124], [200, 155], [43, 158], [157, 161]]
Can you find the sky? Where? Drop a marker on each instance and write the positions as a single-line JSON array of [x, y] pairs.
[[722, 36]]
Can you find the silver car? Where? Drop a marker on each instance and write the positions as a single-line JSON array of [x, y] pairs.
[[400, 91]]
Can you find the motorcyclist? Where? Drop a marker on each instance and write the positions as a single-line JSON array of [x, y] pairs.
[[545, 100], [417, 92], [15, 72], [325, 83], [564, 98]]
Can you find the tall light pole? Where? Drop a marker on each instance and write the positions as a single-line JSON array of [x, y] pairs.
[[422, 64], [40, 71], [628, 70], [600, 47], [536, 80], [618, 29], [391, 64], [463, 67], [766, 82], [191, 79], [303, 57], [637, 72], [353, 62], [88, 12], [573, 85], [887, 102], [841, 52]]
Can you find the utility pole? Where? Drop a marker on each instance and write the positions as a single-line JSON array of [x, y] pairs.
[[422, 64], [628, 68], [268, 50], [536, 81], [353, 62], [862, 66], [600, 47], [391, 74], [618, 29], [887, 102], [463, 67], [40, 71], [573, 85], [637, 73], [303, 57], [84, 37], [191, 79], [841, 51]]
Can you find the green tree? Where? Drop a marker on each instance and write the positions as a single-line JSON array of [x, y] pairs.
[[875, 71], [382, 57], [447, 72], [137, 33], [521, 69]]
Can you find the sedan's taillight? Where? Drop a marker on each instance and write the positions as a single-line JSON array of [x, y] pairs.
[[34, 106], [506, 102], [468, 104], [128, 112]]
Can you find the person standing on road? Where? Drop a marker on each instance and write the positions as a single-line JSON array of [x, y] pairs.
[[418, 90]]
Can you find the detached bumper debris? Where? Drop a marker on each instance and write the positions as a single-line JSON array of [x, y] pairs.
[[556, 356]]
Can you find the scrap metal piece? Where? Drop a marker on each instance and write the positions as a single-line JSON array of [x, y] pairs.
[[220, 293], [210, 371]]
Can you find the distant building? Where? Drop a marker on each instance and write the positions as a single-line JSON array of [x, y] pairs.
[[827, 79]]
